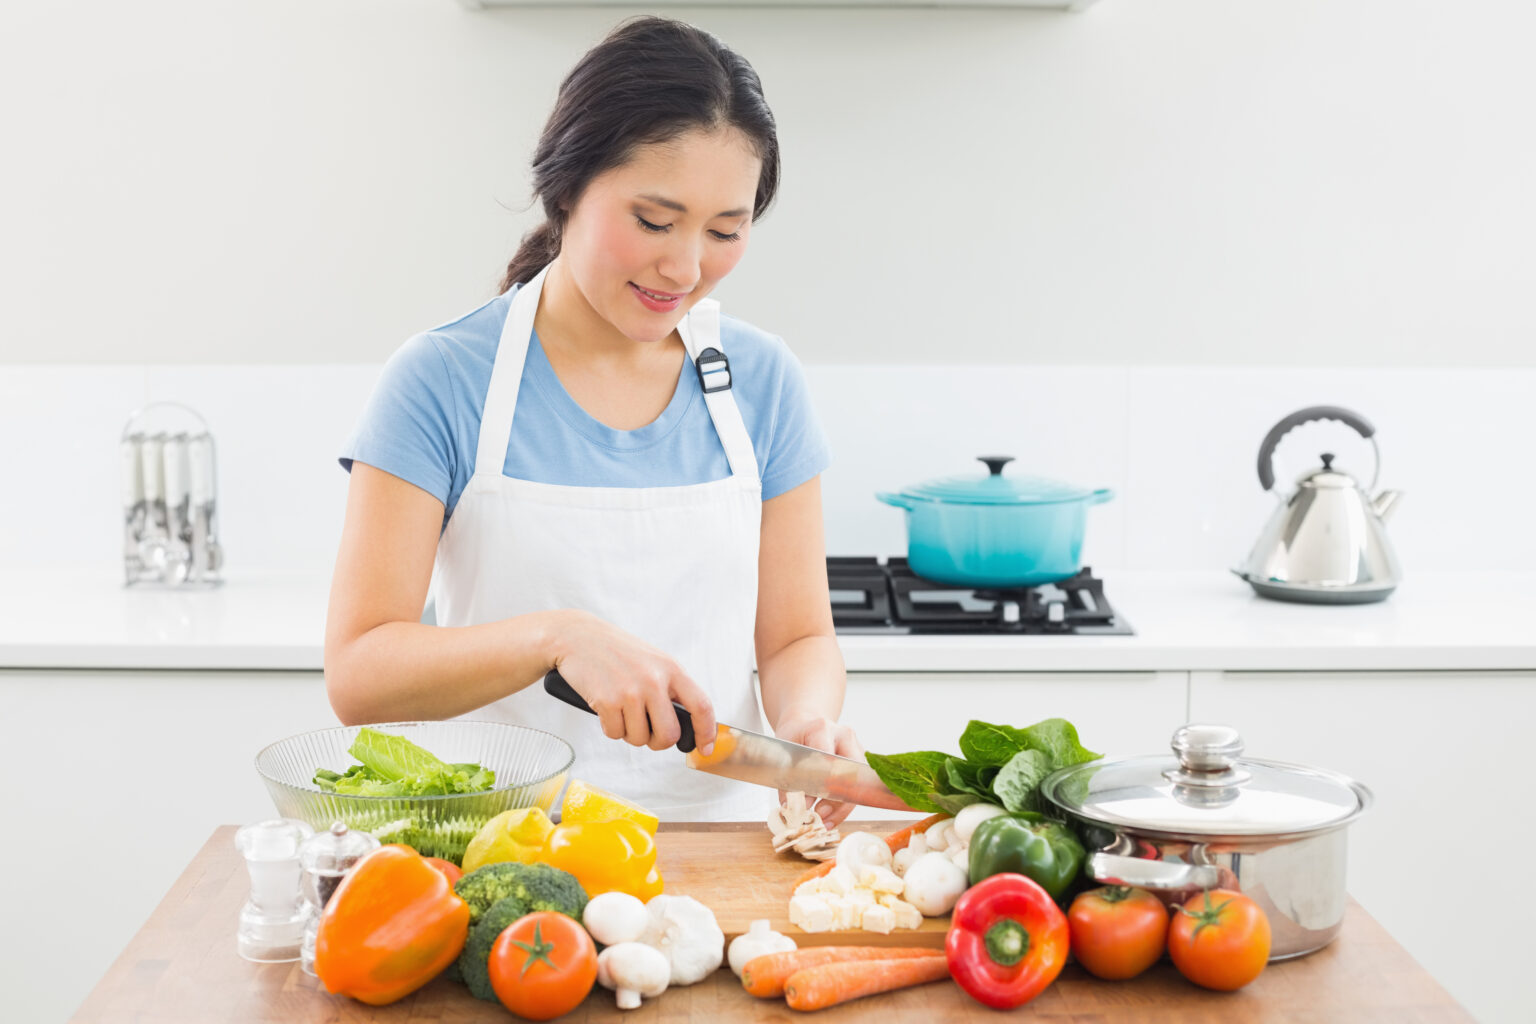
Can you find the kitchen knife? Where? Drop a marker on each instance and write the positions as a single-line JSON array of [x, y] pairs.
[[748, 756]]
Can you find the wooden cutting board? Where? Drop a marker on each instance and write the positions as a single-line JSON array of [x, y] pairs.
[[732, 870]]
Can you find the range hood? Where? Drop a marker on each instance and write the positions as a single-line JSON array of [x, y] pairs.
[[1042, 5]]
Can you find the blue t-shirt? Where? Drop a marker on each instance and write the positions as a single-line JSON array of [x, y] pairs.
[[422, 423]]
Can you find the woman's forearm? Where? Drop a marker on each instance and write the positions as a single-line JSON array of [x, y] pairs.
[[406, 671], [804, 679]]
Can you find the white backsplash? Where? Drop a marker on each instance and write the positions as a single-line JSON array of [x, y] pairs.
[[1177, 445]]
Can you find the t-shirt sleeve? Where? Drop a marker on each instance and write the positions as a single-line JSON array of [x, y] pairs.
[[797, 448], [406, 428]]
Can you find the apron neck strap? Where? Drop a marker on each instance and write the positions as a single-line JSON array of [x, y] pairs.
[[700, 331], [506, 375]]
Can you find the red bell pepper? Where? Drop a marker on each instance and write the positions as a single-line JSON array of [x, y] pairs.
[[1007, 941]]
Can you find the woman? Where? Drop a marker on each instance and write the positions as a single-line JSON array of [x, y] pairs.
[[588, 505]]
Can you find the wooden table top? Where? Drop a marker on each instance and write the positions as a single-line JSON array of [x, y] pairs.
[[182, 968]]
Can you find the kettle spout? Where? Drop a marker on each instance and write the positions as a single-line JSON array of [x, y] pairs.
[[1385, 502]]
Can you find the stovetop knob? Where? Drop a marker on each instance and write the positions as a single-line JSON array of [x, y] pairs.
[[1056, 613], [1010, 612]]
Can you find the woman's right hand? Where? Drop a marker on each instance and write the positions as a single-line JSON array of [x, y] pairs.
[[630, 684]]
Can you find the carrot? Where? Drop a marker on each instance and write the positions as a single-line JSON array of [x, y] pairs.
[[899, 840], [815, 872], [764, 976], [817, 988]]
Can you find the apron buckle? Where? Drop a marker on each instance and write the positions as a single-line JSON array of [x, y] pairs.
[[714, 371]]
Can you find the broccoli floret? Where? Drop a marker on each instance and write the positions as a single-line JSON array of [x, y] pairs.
[[537, 886], [474, 961]]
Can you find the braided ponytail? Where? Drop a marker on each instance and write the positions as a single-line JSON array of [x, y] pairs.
[[534, 253]]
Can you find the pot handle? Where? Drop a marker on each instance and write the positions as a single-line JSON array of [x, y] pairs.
[[1100, 496], [1313, 412], [900, 501], [1115, 869]]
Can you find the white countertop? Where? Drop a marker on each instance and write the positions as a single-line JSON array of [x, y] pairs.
[[1183, 622]]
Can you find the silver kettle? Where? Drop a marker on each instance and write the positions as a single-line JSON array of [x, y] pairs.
[[1327, 541]]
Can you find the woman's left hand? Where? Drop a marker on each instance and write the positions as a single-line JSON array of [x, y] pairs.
[[831, 736]]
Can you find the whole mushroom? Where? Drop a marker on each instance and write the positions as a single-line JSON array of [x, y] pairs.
[[633, 970]]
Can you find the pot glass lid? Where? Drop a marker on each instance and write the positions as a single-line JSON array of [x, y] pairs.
[[996, 488], [1206, 789]]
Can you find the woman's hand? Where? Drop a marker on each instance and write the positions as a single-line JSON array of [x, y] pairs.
[[811, 730], [630, 684]]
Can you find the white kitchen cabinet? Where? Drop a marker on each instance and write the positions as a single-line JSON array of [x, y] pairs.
[[1446, 755], [1118, 713], [115, 780]]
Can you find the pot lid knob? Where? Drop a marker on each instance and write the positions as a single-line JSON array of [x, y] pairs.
[[995, 463], [1207, 748]]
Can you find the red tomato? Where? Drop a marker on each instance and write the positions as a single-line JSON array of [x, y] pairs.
[[1117, 931], [447, 867], [1219, 940], [543, 965]]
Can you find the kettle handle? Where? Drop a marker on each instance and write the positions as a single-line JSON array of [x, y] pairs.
[[1307, 415]]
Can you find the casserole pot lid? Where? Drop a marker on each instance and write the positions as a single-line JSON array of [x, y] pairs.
[[996, 489], [1206, 790]]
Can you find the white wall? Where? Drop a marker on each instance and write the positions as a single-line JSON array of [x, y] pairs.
[[1297, 182], [1177, 445]]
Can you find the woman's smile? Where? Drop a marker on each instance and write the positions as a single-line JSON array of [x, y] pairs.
[[657, 302]]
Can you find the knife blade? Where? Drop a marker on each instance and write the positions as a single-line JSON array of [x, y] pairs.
[[748, 756]]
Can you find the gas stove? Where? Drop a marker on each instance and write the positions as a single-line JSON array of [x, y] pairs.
[[882, 597]]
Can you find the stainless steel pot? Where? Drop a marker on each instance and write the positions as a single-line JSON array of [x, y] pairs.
[[1205, 819]]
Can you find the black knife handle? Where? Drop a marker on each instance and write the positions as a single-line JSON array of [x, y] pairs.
[[556, 686]]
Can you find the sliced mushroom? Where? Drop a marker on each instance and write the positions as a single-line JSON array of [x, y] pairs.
[[795, 826]]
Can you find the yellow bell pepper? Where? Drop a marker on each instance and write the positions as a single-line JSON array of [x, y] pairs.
[[515, 835], [606, 856]]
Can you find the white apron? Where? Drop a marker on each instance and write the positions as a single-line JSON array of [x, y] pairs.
[[675, 566]]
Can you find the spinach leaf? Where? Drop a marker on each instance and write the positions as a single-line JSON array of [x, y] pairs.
[[1057, 737], [965, 777], [913, 777], [1018, 783], [985, 743], [951, 803]]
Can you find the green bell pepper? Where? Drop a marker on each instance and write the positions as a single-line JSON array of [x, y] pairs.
[[1029, 845]]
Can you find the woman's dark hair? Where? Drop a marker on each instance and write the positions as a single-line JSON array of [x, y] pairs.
[[650, 81]]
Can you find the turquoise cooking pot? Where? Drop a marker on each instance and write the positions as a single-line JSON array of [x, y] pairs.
[[995, 530]]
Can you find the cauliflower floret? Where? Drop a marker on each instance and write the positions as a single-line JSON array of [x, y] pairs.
[[839, 880], [878, 919], [907, 916], [871, 876], [811, 913]]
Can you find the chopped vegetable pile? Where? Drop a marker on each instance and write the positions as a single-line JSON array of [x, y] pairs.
[[394, 766]]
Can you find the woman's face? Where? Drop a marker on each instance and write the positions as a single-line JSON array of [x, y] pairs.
[[649, 239]]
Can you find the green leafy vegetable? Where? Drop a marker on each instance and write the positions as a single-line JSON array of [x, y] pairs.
[[394, 766], [1057, 737], [913, 777], [986, 743], [1001, 764], [1018, 782]]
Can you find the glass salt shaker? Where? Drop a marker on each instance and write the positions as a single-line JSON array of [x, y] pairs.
[[272, 920], [325, 859]]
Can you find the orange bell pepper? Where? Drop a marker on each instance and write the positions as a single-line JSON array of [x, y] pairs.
[[392, 925], [606, 856]]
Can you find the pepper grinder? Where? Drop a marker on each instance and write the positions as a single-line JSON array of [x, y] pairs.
[[272, 920], [325, 859]]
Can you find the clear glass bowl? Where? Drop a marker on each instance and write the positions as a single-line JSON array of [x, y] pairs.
[[530, 767]]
